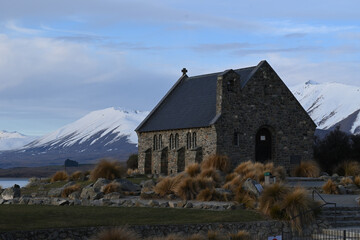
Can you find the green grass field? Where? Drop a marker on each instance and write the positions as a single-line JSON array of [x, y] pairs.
[[28, 217]]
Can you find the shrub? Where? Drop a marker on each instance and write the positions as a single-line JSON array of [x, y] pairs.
[[107, 169], [272, 194], [132, 162], [348, 168], [112, 187], [296, 205], [240, 235], [187, 189], [307, 169], [356, 181], [211, 173], [231, 176], [205, 195], [119, 233], [168, 185], [59, 176], [219, 162], [330, 187], [346, 181], [245, 198], [234, 183], [213, 235], [68, 190], [76, 176], [276, 212], [193, 169]]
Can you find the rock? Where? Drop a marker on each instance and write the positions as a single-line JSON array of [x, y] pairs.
[[55, 192], [63, 202], [128, 186], [342, 189], [77, 202], [113, 195], [153, 203], [171, 196], [2, 201], [88, 192], [172, 204], [188, 205], [324, 174], [24, 200], [148, 185], [148, 195], [181, 204], [11, 192], [100, 183], [74, 195], [253, 186], [164, 204]]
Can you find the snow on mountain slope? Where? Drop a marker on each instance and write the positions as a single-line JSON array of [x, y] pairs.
[[13, 140], [328, 104], [117, 122]]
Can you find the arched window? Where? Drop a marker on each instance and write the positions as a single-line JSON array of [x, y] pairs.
[[188, 140], [176, 141], [171, 141], [160, 142], [155, 143], [194, 140]]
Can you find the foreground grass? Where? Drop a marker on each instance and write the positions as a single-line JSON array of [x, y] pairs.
[[29, 217]]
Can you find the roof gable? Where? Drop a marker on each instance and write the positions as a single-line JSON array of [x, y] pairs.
[[190, 103]]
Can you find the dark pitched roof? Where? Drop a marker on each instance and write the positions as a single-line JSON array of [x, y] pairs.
[[190, 103]]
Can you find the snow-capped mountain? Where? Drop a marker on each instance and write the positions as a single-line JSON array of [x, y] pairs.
[[331, 104], [13, 140], [103, 133], [102, 123]]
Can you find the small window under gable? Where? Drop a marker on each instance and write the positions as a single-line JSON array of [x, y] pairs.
[[231, 84]]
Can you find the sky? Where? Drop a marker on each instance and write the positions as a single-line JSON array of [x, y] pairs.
[[60, 60]]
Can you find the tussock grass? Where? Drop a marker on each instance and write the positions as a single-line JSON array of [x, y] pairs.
[[272, 194], [132, 172], [240, 235], [213, 235], [187, 189], [168, 185], [68, 190], [119, 233], [346, 181], [234, 184], [59, 176], [256, 170], [112, 187], [218, 162], [108, 169], [77, 176], [356, 181], [193, 170], [348, 168], [296, 205], [196, 236], [307, 169], [330, 187], [211, 173], [205, 195]]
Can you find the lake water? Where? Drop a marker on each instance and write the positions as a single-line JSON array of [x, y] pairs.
[[9, 182]]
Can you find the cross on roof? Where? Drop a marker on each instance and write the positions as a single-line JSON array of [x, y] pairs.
[[184, 71]]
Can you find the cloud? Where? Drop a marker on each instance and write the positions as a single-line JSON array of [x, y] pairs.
[[11, 25]]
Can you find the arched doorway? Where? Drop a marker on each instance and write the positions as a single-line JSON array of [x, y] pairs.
[[181, 160], [263, 147], [148, 161]]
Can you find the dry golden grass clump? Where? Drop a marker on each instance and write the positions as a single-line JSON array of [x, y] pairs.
[[307, 169], [234, 184], [245, 198], [272, 195], [193, 170], [348, 168], [330, 187], [132, 172], [346, 181], [256, 170], [213, 235], [218, 162], [76, 176], [240, 235], [356, 181], [119, 233], [205, 194], [211, 173], [168, 184], [107, 169], [196, 236], [68, 190], [112, 187], [59, 176], [296, 205]]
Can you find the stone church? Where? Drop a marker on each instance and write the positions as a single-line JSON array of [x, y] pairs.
[[246, 114]]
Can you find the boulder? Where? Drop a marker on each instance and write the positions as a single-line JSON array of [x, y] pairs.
[[188, 205], [100, 183], [128, 186], [173, 204], [69, 184], [253, 187], [63, 202], [153, 203], [148, 185], [342, 189], [74, 195], [148, 195], [88, 192], [11, 192], [55, 192], [113, 195]]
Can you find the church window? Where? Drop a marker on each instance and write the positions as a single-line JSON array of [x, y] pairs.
[[160, 142], [194, 140], [188, 140], [155, 144], [176, 140], [231, 84], [171, 141]]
